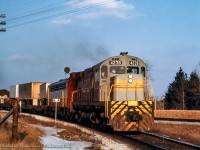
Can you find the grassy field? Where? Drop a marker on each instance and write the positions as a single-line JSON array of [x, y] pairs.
[[178, 114]]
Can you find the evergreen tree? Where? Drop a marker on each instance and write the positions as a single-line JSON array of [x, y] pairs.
[[193, 92], [170, 98], [176, 93], [4, 92]]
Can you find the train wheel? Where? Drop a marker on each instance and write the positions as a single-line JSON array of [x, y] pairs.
[[77, 117], [66, 117], [93, 117], [71, 116], [98, 121]]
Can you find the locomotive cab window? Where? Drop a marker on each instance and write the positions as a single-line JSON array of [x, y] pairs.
[[104, 72], [134, 70], [96, 76], [117, 70], [143, 71]]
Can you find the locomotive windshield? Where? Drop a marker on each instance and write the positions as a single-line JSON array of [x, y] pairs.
[[117, 70], [134, 70]]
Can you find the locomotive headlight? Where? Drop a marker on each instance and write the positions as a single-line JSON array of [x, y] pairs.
[[130, 80], [130, 76]]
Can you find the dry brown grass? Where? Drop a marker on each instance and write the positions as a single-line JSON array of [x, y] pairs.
[[28, 137], [74, 134], [180, 114], [69, 133], [27, 132], [188, 133]]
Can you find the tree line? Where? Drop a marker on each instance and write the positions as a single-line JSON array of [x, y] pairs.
[[184, 92]]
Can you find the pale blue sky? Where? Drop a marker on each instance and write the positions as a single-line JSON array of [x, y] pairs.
[[164, 33]]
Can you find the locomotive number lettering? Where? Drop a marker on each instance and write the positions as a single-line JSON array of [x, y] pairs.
[[134, 62], [115, 62]]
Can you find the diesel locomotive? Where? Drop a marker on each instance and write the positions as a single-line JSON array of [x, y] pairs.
[[116, 92]]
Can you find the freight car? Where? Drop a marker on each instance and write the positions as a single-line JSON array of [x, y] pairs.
[[115, 92]]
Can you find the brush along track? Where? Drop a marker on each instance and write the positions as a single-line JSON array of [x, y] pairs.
[[159, 142]]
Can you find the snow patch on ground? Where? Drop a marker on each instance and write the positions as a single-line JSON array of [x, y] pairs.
[[49, 130], [54, 143], [107, 143], [51, 142]]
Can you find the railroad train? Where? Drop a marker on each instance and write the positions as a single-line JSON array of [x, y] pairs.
[[116, 92]]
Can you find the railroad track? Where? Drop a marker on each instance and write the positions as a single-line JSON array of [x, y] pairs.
[[159, 142]]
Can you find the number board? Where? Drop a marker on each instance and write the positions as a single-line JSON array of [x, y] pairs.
[[134, 62], [115, 61]]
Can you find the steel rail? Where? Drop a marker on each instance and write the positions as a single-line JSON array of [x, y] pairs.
[[129, 137], [172, 140], [177, 119]]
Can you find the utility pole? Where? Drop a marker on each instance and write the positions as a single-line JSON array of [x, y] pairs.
[[2, 23], [15, 120]]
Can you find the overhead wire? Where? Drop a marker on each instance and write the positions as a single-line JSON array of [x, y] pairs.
[[64, 13], [11, 6], [43, 11]]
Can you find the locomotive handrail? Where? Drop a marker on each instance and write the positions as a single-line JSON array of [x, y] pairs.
[[72, 99], [103, 91], [151, 96], [151, 91]]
